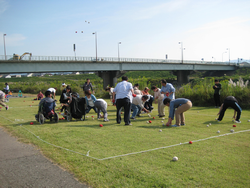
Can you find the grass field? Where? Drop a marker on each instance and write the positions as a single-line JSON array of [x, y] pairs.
[[140, 155]]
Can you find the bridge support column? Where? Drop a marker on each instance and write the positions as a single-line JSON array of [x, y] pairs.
[[182, 76], [110, 77]]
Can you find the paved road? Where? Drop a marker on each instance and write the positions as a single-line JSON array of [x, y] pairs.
[[22, 165]]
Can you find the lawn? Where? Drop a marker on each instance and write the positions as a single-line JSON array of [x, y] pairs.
[[140, 155]]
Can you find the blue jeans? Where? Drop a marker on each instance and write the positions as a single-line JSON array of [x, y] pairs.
[[89, 108], [136, 109]]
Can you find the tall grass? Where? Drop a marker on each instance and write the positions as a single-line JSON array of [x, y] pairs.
[[201, 93]]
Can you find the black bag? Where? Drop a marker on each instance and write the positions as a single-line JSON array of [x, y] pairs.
[[77, 107]]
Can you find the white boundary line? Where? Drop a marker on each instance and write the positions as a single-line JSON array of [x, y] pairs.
[[123, 155]]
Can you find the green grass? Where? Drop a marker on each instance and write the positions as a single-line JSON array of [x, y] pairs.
[[217, 162]]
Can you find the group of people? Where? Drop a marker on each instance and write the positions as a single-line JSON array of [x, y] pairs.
[[130, 98]]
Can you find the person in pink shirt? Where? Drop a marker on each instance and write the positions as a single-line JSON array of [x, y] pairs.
[[39, 96]]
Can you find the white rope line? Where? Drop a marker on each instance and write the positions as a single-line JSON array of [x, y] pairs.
[[171, 145], [87, 155], [133, 153]]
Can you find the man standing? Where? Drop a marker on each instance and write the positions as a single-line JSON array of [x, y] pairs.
[[217, 88], [160, 97], [137, 105], [232, 102], [87, 86], [168, 90], [124, 91]]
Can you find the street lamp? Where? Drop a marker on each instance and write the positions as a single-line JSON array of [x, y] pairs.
[[119, 51], [181, 43], [95, 33], [4, 46], [222, 55], [228, 54]]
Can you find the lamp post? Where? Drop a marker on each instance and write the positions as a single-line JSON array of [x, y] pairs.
[[222, 55], [181, 43], [119, 51], [4, 46], [228, 54], [95, 33]]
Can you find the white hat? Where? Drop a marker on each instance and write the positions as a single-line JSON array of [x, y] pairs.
[[63, 84]]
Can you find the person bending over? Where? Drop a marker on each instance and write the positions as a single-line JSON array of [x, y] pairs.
[[232, 102]]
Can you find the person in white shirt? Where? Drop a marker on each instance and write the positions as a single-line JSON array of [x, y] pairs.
[[53, 92], [123, 91], [101, 106], [138, 105], [110, 90], [2, 95], [158, 95], [7, 88]]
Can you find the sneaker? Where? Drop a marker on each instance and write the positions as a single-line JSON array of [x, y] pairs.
[[237, 121], [7, 107], [128, 124], [161, 115], [183, 124], [175, 125], [218, 120], [133, 118], [106, 120]]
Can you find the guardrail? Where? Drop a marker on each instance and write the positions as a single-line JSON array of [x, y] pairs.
[[111, 59]]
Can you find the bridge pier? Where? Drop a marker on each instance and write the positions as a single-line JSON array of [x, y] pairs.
[[110, 77], [182, 76]]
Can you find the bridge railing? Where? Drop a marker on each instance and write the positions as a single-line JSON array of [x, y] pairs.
[[111, 59]]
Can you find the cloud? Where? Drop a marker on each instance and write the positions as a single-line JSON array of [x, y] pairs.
[[3, 6], [230, 22], [148, 11]]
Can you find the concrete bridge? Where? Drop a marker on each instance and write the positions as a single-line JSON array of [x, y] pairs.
[[109, 68]]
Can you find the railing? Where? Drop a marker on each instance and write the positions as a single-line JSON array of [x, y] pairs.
[[110, 59]]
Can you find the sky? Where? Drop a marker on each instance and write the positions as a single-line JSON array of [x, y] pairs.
[[214, 30]]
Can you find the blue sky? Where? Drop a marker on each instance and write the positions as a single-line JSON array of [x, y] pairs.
[[145, 28]]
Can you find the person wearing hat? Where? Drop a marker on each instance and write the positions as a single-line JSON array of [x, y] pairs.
[[63, 86], [137, 91]]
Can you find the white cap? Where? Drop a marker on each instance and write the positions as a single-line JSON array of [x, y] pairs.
[[63, 84]]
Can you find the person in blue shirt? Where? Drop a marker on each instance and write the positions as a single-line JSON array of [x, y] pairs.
[[90, 101], [177, 108], [168, 90]]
